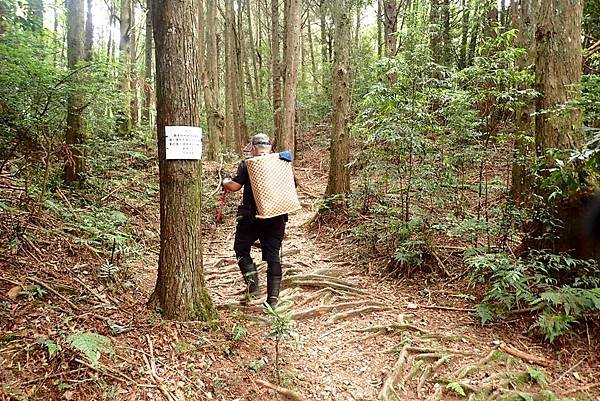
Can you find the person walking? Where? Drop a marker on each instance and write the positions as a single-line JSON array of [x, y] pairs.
[[269, 232]]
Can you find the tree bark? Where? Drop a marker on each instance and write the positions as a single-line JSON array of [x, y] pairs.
[[313, 62], [390, 23], [133, 103], [276, 69], [148, 51], [89, 32], [74, 138], [464, 41], [285, 140], [339, 177], [232, 77], [124, 57], [558, 75], [215, 119], [379, 29], [524, 21], [180, 286]]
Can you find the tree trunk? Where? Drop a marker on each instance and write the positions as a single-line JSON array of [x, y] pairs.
[[285, 141], [390, 24], [89, 32], [339, 177], [435, 40], [133, 104], [240, 56], [124, 57], [464, 41], [180, 286], [74, 138], [215, 119], [148, 64], [232, 76], [446, 39], [558, 75], [276, 69], [252, 49], [379, 29], [313, 62], [524, 21]]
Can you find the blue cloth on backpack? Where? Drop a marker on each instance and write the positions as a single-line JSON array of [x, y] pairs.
[[285, 155]]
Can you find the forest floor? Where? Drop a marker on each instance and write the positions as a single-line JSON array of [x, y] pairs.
[[356, 333]]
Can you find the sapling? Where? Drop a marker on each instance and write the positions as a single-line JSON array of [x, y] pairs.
[[281, 329]]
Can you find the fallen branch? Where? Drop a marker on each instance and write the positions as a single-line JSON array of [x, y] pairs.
[[525, 356], [52, 290], [292, 395]]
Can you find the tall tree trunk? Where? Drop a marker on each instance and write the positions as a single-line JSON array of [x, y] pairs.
[[133, 104], [252, 49], [74, 138], [558, 75], [435, 40], [464, 41], [232, 77], [379, 29], [313, 62], [339, 177], [323, 26], [215, 119], [111, 23], [524, 21], [148, 64], [180, 286], [446, 38], [292, 52], [124, 57], [240, 58], [390, 24], [276, 69], [89, 32]]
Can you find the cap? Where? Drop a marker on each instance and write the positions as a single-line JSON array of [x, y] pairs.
[[260, 139]]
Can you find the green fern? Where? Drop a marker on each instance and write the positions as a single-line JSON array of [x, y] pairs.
[[457, 388], [92, 345]]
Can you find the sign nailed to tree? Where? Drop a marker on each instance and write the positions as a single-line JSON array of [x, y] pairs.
[[183, 142]]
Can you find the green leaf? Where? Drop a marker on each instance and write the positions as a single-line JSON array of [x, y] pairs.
[[526, 396], [457, 388], [92, 345], [485, 313], [536, 375], [50, 345]]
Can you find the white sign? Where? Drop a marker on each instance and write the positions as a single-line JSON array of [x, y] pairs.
[[183, 142]]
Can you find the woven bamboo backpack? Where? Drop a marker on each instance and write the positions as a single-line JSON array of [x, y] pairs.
[[272, 180]]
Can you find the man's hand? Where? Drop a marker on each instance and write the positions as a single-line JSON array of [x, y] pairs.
[[230, 185]]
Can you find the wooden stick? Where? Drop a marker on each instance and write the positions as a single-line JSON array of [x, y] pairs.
[[524, 355], [292, 395], [52, 290]]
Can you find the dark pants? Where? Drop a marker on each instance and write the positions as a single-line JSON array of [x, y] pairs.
[[269, 232]]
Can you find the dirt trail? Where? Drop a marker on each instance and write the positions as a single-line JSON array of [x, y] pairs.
[[364, 338]]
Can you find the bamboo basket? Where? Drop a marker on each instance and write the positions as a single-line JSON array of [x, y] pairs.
[[272, 181]]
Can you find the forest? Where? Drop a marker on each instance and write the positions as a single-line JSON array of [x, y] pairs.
[[446, 158]]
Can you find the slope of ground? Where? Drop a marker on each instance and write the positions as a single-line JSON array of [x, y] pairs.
[[355, 334]]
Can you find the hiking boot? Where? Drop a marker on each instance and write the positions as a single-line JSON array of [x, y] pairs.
[[273, 285], [251, 279]]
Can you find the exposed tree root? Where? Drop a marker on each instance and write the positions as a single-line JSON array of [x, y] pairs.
[[387, 391], [470, 369], [348, 314], [292, 395], [299, 282], [318, 310], [437, 393]]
